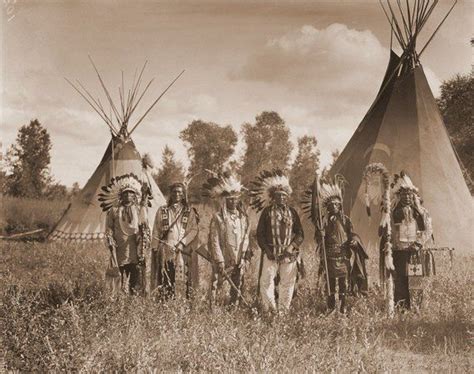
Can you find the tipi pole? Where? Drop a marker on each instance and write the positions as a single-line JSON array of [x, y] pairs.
[[112, 105], [98, 105], [132, 109], [154, 103], [398, 30], [428, 14], [434, 33], [113, 157], [120, 89], [405, 25], [134, 91], [93, 107], [391, 21]]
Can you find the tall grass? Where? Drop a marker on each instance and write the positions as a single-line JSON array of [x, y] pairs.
[[18, 215], [56, 315]]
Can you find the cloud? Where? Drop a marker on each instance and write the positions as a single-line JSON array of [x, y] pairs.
[[332, 61], [198, 105], [80, 136], [332, 132], [202, 103], [331, 77], [336, 62]]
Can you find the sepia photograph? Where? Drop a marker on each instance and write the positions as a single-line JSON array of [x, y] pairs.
[[238, 186]]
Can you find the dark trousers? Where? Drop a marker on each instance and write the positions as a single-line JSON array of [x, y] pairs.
[[131, 272], [341, 281], [402, 291]]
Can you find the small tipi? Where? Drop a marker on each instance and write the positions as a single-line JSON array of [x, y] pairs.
[[84, 219], [404, 130]]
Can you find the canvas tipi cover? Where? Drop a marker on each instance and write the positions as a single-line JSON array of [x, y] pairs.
[[84, 218], [404, 130]]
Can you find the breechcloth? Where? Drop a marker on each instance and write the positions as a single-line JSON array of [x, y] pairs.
[[410, 269], [338, 263], [167, 280], [342, 283]]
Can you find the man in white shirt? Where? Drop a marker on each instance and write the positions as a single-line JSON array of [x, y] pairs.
[[228, 235]]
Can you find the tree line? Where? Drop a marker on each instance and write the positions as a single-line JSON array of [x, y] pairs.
[[267, 145], [26, 172]]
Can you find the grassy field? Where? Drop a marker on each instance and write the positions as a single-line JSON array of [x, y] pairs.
[[55, 314], [19, 215]]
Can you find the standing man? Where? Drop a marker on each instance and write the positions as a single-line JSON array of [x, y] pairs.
[[228, 234], [121, 200], [176, 227], [341, 245], [411, 231], [279, 235]]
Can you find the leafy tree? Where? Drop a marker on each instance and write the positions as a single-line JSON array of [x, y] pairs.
[[335, 155], [457, 108], [325, 173], [3, 180], [55, 191], [304, 166], [209, 146], [268, 145], [170, 170], [75, 189], [28, 161]]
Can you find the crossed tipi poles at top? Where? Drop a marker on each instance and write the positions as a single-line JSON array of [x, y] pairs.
[[118, 119]]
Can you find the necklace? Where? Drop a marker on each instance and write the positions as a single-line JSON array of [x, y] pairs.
[[234, 221]]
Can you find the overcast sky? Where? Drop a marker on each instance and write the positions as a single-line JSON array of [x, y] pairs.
[[317, 63]]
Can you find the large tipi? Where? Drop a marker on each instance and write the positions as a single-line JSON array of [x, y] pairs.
[[84, 219], [404, 130]]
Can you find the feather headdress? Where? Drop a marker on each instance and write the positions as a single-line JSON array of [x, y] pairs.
[[403, 182], [377, 188], [111, 194], [266, 184], [330, 191], [221, 185], [322, 192]]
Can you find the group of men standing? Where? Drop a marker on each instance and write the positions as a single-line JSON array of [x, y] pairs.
[[162, 259]]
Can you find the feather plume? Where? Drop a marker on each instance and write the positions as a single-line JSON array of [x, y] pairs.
[[403, 182], [221, 185], [147, 162]]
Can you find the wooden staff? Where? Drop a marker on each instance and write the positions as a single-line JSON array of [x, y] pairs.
[[201, 251], [316, 203]]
